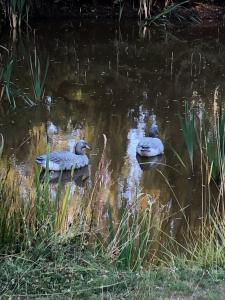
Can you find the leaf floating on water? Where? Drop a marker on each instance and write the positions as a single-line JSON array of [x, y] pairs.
[[1, 144]]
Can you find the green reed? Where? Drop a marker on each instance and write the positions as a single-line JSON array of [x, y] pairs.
[[215, 147], [38, 75], [209, 145], [188, 130]]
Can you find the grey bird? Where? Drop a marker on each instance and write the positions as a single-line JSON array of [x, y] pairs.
[[65, 160], [152, 145]]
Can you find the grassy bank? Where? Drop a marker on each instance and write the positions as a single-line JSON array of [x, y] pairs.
[[72, 271], [42, 257]]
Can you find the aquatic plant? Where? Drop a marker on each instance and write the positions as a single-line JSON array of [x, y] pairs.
[[9, 90], [38, 75], [188, 130], [16, 12]]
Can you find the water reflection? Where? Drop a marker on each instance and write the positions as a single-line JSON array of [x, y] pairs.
[[107, 81], [150, 163]]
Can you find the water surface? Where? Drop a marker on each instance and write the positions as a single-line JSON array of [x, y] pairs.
[[110, 80]]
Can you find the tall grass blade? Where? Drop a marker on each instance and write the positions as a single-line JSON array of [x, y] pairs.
[[1, 144]]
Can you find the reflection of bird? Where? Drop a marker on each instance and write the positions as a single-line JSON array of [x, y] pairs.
[[147, 163], [48, 101], [197, 106], [51, 129], [65, 160], [152, 145], [79, 176]]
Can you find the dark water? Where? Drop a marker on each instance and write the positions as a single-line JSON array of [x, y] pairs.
[[106, 79]]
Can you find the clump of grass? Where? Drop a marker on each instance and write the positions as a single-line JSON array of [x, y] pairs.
[[206, 249], [134, 241], [31, 218], [38, 75]]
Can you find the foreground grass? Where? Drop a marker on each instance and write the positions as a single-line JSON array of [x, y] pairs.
[[67, 270]]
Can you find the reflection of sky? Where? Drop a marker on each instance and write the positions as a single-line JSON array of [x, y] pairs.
[[132, 182]]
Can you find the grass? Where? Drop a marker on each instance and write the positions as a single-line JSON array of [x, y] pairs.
[[133, 243], [67, 268], [27, 220]]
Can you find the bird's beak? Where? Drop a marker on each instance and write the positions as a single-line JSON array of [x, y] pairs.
[[88, 147]]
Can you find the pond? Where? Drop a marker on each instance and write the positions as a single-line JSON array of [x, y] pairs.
[[109, 79]]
